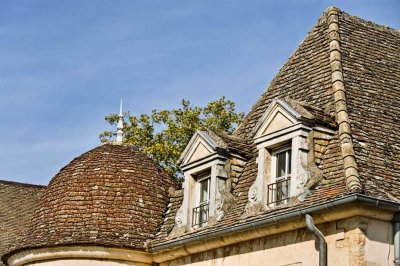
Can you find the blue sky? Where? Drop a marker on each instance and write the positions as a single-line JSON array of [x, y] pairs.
[[65, 64]]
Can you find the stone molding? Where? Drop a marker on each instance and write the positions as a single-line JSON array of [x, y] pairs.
[[295, 135], [339, 93], [220, 197], [79, 252]]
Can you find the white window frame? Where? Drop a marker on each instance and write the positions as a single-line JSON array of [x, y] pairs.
[[274, 154], [274, 178], [200, 178]]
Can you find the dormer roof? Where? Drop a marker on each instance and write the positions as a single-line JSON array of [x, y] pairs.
[[207, 143], [285, 113], [200, 145]]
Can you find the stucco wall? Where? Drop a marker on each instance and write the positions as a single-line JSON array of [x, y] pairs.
[[356, 241], [376, 250], [368, 241], [353, 241]]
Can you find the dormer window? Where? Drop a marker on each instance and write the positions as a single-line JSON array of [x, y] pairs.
[[281, 138], [281, 169], [208, 164], [284, 137], [203, 165]]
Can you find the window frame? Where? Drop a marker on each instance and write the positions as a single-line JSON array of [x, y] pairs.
[[199, 179], [203, 207], [285, 179], [274, 158]]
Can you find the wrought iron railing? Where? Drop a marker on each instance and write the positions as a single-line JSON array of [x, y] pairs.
[[278, 193], [200, 215]]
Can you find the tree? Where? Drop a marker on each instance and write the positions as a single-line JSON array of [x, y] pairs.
[[164, 134]]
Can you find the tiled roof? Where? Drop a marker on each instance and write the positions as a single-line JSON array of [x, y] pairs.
[[370, 58], [311, 113], [17, 204], [176, 198], [306, 76], [113, 195], [232, 144], [371, 68]]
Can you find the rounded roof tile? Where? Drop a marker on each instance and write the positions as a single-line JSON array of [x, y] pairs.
[[113, 195]]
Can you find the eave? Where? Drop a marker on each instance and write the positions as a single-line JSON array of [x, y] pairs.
[[340, 208]]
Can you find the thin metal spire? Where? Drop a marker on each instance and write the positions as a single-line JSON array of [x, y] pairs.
[[120, 125]]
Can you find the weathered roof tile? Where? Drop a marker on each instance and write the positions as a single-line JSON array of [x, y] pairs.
[[17, 204], [113, 195]]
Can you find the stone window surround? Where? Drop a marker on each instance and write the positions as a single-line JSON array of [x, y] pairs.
[[203, 176], [215, 165], [296, 136]]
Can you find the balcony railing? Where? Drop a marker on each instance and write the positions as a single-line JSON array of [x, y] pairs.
[[200, 215], [278, 192]]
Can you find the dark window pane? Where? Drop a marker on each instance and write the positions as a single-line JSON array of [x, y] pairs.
[[204, 188], [280, 164], [290, 161]]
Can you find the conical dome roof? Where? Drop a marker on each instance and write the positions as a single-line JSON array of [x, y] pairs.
[[113, 195]]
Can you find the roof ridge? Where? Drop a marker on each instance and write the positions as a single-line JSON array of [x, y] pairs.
[[21, 184], [353, 182], [229, 136], [370, 22]]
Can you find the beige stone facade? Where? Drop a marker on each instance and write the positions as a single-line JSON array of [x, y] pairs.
[[351, 241]]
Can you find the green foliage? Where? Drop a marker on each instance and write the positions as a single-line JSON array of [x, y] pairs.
[[164, 134]]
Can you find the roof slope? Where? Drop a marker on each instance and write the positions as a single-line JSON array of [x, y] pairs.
[[371, 67], [305, 77], [17, 204], [113, 195], [370, 58]]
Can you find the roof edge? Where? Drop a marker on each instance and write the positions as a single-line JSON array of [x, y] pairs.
[[201, 134], [21, 184], [239, 130], [352, 177], [295, 213]]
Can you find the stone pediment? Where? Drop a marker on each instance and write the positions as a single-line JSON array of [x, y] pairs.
[[200, 146], [279, 115]]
